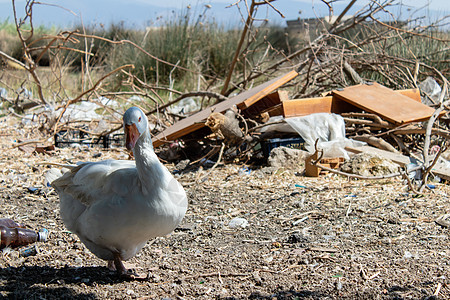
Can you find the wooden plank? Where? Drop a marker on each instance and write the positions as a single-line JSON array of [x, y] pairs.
[[265, 104], [243, 100], [411, 93], [275, 111], [439, 169], [386, 103], [329, 104], [307, 106], [314, 171], [256, 95]]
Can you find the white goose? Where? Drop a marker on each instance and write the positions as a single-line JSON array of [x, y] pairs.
[[116, 206]]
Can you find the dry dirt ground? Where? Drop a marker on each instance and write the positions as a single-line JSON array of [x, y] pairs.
[[307, 238]]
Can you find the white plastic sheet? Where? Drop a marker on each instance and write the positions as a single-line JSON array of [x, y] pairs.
[[329, 129], [432, 89]]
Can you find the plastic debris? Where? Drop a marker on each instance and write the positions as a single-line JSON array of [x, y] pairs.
[[329, 129], [432, 89], [244, 171], [238, 222], [29, 251], [300, 186], [3, 93]]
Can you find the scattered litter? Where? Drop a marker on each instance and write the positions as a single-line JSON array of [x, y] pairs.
[[292, 143], [77, 138], [442, 221], [328, 129], [207, 163], [314, 170], [238, 222], [432, 91], [300, 186], [407, 255], [33, 189], [29, 251], [185, 106], [3, 93], [17, 236], [244, 170]]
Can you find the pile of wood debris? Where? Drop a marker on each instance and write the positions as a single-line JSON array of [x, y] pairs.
[[391, 122]]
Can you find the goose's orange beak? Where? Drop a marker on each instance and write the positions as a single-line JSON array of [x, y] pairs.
[[131, 136]]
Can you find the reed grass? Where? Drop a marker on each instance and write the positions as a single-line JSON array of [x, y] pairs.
[[206, 48]]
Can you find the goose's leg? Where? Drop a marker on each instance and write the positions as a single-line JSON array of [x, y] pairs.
[[120, 268], [118, 265], [111, 265]]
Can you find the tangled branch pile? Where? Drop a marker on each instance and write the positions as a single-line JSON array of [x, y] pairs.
[[329, 53]]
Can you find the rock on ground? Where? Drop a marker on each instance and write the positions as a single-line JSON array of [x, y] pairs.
[[365, 164], [286, 157]]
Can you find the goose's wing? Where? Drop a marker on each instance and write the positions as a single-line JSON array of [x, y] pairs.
[[91, 182]]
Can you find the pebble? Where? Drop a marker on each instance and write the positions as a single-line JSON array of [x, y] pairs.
[[78, 260], [238, 222], [407, 255]]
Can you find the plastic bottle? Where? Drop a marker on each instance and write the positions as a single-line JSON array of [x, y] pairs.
[[15, 237]]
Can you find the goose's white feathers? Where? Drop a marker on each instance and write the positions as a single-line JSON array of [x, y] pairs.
[[116, 206]]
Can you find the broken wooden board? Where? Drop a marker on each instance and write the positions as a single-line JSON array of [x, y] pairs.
[[389, 105], [265, 104], [411, 93], [439, 169], [306, 106], [329, 104], [243, 101], [314, 170]]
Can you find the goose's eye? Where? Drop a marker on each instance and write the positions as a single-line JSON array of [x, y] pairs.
[[139, 119]]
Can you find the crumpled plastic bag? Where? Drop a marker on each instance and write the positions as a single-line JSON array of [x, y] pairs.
[[329, 129], [430, 87]]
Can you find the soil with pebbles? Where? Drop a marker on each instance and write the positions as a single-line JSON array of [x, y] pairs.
[[305, 238]]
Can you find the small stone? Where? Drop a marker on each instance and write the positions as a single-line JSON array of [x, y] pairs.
[[154, 277], [268, 259], [284, 157], [297, 238], [78, 260], [257, 278], [365, 164], [238, 222], [407, 255]]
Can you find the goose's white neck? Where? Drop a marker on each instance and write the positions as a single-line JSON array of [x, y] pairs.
[[149, 167]]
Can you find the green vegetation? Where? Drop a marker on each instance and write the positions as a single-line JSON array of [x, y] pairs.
[[204, 48], [203, 51]]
